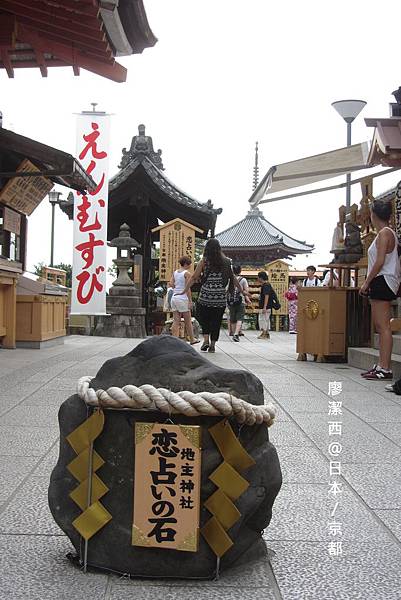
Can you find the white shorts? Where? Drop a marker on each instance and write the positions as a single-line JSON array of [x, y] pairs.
[[180, 305]]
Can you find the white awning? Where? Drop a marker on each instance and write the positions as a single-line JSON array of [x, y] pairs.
[[310, 170]]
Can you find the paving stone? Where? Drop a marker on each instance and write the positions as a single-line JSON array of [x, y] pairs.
[[392, 519], [24, 416], [377, 486], [35, 568], [23, 441], [364, 571], [28, 512], [12, 472], [205, 592], [288, 434]]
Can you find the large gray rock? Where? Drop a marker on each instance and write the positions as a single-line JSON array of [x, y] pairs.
[[164, 361]]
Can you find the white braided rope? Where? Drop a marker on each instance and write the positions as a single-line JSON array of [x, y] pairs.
[[147, 397]]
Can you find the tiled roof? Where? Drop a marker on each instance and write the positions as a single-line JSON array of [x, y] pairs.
[[163, 183], [255, 231]]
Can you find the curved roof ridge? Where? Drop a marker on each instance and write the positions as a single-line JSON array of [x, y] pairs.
[[286, 234]]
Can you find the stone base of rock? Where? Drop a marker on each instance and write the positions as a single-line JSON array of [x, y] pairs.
[[126, 317], [168, 362]]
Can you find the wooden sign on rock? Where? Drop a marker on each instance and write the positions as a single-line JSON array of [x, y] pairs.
[[167, 486], [177, 239]]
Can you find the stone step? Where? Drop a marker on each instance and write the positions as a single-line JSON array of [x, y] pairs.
[[396, 343], [365, 358]]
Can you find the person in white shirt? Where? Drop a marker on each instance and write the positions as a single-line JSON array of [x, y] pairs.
[[181, 301], [312, 280], [382, 284]]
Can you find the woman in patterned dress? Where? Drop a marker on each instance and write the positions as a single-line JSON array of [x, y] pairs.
[[215, 274], [292, 299]]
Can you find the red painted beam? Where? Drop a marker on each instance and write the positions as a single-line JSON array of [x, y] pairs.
[[46, 13], [69, 34], [81, 7], [113, 71], [6, 62]]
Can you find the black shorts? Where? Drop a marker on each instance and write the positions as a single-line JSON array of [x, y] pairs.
[[379, 290]]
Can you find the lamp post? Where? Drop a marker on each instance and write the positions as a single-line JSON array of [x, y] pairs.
[[348, 110], [53, 199]]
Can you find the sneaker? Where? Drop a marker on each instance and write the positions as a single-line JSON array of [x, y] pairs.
[[212, 349], [204, 347], [241, 334], [380, 375], [390, 387], [235, 338], [372, 370]]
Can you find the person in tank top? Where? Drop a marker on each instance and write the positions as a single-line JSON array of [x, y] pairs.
[[215, 273], [381, 285], [181, 301]]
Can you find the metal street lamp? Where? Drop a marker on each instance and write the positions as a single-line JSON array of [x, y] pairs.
[[54, 198], [348, 110]]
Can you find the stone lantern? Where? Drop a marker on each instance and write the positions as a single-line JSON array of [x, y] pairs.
[[126, 317], [125, 245]]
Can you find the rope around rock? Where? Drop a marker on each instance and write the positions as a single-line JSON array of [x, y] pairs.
[[147, 397]]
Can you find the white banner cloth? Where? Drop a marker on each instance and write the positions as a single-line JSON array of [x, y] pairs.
[[90, 217]]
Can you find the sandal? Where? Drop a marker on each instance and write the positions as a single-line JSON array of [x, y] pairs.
[[194, 342], [204, 347]]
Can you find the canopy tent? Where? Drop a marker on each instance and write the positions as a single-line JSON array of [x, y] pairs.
[[312, 169]]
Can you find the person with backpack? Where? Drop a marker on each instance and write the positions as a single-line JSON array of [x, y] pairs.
[[267, 300], [312, 280], [215, 273], [236, 306]]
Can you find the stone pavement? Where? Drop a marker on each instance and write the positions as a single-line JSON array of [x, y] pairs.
[[33, 383]]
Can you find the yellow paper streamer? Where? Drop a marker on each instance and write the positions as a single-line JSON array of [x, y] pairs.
[[94, 515], [230, 447], [223, 509], [230, 486]]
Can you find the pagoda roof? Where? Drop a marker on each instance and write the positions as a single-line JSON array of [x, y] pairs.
[[254, 231], [85, 34]]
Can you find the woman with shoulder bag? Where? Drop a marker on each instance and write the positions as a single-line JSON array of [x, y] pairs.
[[216, 274]]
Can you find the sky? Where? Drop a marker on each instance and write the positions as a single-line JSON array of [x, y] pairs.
[[223, 74]]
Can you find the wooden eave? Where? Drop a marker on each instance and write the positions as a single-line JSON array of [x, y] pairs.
[[49, 33]]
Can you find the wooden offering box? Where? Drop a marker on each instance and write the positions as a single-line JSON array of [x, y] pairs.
[[40, 318], [321, 322]]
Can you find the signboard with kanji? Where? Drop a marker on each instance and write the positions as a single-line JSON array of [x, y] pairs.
[[278, 271], [177, 239], [25, 193], [12, 221], [167, 486]]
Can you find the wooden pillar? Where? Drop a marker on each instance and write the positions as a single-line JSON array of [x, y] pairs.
[[8, 290]]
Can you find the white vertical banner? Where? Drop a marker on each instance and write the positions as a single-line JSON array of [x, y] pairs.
[[90, 217]]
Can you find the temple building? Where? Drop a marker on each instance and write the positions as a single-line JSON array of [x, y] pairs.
[[141, 196], [254, 241]]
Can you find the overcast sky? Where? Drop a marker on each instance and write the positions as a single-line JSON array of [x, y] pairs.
[[224, 74]]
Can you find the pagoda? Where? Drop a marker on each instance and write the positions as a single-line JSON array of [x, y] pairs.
[[254, 241]]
